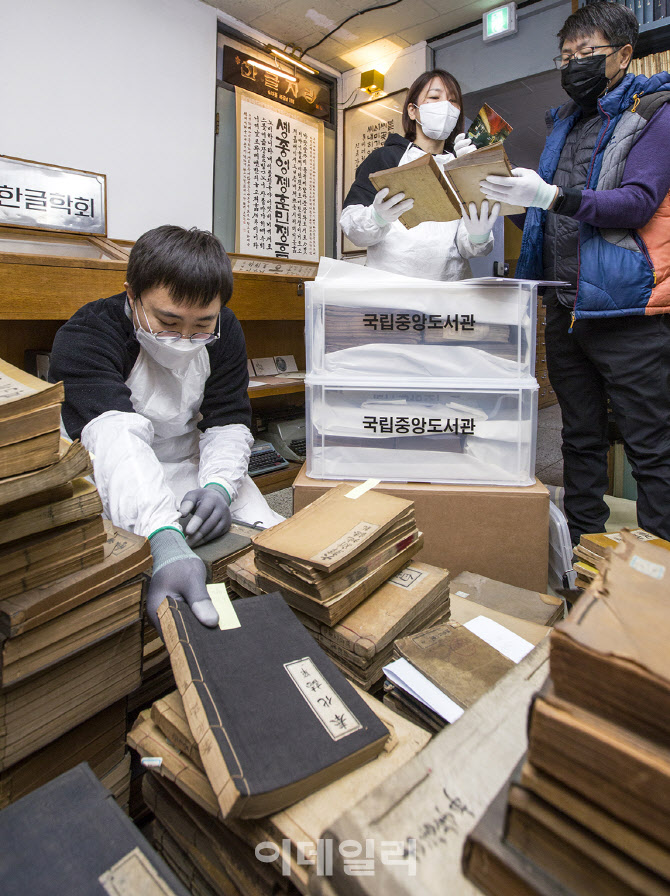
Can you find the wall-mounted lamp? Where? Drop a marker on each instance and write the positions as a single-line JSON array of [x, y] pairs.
[[291, 58], [269, 68], [372, 81]]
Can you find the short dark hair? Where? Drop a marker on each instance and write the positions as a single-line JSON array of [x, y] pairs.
[[191, 264], [413, 94], [615, 22]]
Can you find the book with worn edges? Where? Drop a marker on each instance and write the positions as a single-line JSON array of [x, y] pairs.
[[273, 718], [438, 192], [70, 837]]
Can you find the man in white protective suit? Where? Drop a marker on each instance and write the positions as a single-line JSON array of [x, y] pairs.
[[156, 389]]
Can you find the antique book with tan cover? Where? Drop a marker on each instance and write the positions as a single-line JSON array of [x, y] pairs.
[[73, 460], [610, 656], [330, 531], [82, 504], [125, 556], [437, 193]]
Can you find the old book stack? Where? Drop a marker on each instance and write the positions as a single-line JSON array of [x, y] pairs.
[[246, 769], [411, 379], [29, 421], [361, 644], [533, 606], [70, 601], [438, 673], [334, 553], [593, 549], [356, 610], [588, 812]]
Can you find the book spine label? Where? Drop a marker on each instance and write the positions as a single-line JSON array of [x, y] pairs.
[[360, 533], [324, 702]]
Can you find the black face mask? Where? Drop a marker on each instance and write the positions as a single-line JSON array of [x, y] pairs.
[[585, 81]]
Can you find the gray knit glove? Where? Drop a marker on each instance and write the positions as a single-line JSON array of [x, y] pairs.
[[178, 573], [209, 513]]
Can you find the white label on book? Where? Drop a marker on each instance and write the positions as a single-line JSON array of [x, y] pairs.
[[223, 605], [646, 567], [152, 761], [362, 488], [408, 578], [11, 389], [360, 533], [404, 675], [134, 874], [640, 534], [511, 645], [462, 594], [322, 699]]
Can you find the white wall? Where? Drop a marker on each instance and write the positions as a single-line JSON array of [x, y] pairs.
[[123, 87], [530, 51]]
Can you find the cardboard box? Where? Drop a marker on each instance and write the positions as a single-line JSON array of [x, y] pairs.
[[497, 531]]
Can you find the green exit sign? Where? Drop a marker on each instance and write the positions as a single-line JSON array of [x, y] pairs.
[[499, 22]]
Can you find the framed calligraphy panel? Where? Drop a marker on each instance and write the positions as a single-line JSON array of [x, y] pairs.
[[280, 181], [366, 126]]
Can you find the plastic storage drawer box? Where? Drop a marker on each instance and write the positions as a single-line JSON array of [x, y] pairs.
[[428, 432], [481, 329]]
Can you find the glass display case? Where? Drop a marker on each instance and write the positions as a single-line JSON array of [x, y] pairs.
[[45, 277]]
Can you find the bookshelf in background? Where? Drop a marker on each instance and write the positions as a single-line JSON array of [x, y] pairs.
[[653, 17]]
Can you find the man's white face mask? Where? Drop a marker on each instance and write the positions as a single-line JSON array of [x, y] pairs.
[[438, 120], [175, 355]]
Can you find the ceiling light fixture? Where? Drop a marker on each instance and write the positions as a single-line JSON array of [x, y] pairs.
[[372, 81], [291, 58], [269, 68]]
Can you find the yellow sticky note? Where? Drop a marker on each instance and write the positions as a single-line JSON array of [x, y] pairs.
[[224, 606]]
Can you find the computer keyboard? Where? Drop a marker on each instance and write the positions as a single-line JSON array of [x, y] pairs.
[[299, 446], [265, 459]]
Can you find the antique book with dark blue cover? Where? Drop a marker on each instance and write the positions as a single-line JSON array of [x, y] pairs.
[[273, 718], [70, 837]]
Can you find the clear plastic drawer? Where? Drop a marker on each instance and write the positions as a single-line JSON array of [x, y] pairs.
[[433, 432], [481, 329]]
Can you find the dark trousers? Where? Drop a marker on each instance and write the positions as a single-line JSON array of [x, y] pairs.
[[628, 360]]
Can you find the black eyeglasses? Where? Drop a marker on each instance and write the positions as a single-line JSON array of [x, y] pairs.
[[169, 337], [584, 54]]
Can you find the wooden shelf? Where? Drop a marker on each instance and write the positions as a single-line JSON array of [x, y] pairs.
[[263, 391]]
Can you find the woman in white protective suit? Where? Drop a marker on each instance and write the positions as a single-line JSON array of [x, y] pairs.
[[436, 250], [156, 389]]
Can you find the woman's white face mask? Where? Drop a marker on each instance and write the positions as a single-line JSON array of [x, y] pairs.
[[438, 120]]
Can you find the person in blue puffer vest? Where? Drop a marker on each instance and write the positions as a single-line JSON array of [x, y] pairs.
[[599, 219]]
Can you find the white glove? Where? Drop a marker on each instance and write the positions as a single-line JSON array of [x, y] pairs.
[[386, 212], [463, 145], [525, 188], [479, 227]]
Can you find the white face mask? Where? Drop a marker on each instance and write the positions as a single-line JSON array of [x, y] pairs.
[[175, 355], [438, 120]]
